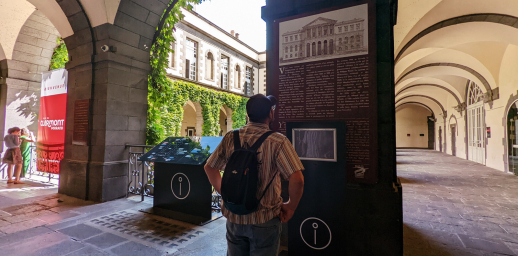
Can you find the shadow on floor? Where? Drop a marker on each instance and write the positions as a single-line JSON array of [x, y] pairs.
[[416, 243]]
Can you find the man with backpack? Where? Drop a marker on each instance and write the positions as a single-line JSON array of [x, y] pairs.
[[254, 160]]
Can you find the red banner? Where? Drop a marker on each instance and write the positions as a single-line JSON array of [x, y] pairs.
[[51, 129]]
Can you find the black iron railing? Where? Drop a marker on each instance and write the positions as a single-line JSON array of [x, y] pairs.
[[32, 169], [141, 176]]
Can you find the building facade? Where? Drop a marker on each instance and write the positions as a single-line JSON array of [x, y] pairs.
[[323, 37], [206, 55]]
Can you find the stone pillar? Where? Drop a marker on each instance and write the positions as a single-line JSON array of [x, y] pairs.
[[230, 122], [115, 82], [199, 119]]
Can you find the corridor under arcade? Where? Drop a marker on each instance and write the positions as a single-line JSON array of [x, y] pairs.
[[453, 206]]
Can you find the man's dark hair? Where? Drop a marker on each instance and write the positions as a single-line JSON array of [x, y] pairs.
[[258, 107]]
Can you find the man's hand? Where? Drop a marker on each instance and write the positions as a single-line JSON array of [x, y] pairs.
[[296, 188], [214, 177], [286, 213]]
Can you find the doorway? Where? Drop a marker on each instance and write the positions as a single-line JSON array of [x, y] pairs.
[[512, 140], [440, 138], [476, 125], [453, 140]]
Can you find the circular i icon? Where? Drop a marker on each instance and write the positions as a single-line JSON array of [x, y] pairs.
[[180, 186], [315, 233]]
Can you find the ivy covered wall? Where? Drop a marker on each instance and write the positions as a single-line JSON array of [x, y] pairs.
[[166, 98]]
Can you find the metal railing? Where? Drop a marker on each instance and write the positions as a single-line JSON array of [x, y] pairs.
[[33, 167], [32, 170], [141, 176]]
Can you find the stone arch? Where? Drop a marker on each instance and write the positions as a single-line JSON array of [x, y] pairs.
[[506, 20], [189, 120], [31, 56], [416, 103], [481, 78], [427, 97], [433, 85], [115, 82], [209, 65]]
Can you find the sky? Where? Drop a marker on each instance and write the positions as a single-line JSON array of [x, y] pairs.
[[242, 16]]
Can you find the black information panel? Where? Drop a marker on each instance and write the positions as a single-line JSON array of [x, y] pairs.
[[318, 226], [182, 190]]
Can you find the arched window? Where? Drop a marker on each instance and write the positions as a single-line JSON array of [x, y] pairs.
[[224, 72], [308, 50], [475, 94], [331, 46], [319, 48], [352, 39], [346, 40], [325, 47], [476, 124], [358, 38], [286, 49], [346, 48], [296, 47], [313, 49], [209, 66], [291, 48], [237, 78]]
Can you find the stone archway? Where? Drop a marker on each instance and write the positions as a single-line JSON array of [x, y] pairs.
[[115, 83], [189, 120], [32, 53]]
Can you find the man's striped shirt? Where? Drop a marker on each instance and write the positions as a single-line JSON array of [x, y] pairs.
[[276, 154]]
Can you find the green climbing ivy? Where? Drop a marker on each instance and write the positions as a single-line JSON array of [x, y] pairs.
[[166, 98], [60, 56]]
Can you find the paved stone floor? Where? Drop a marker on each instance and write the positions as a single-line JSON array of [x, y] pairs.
[[451, 207], [456, 207]]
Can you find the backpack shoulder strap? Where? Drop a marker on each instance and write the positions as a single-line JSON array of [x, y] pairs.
[[237, 141], [260, 141]]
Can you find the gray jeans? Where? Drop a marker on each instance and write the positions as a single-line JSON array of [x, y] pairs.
[[254, 240]]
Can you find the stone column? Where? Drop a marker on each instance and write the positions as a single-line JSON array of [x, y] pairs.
[[199, 119], [115, 82], [230, 122]]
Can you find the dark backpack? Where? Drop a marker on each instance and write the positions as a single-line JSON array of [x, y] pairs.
[[241, 176]]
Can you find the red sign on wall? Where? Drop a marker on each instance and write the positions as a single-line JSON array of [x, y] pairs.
[[51, 124]]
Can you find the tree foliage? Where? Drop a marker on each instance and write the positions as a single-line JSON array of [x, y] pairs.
[[60, 56], [166, 98]]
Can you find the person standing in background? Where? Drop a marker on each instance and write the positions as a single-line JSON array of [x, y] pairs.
[[13, 155], [27, 140]]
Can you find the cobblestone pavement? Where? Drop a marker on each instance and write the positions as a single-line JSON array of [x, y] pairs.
[[456, 207]]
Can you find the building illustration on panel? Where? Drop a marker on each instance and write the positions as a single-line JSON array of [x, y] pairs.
[[323, 38]]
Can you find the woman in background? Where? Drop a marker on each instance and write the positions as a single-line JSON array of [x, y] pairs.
[[13, 157], [27, 139]]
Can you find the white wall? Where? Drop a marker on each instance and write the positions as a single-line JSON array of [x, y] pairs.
[[412, 119]]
